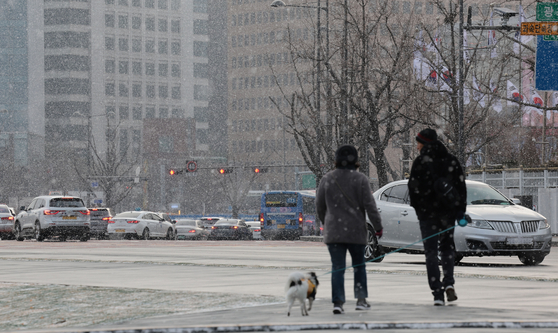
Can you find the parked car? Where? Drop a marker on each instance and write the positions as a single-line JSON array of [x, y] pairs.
[[208, 222], [140, 224], [7, 219], [230, 229], [499, 227], [256, 228], [99, 221], [50, 216], [190, 229]]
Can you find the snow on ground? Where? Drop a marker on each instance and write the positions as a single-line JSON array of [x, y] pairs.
[[26, 306]]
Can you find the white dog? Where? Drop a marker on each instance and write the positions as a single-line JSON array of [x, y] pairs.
[[299, 287]]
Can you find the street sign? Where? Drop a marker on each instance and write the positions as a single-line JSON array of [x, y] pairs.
[[94, 184], [539, 28], [547, 11], [308, 181], [191, 166], [546, 66]]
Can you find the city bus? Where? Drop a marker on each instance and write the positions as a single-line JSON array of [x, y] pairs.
[[288, 214]]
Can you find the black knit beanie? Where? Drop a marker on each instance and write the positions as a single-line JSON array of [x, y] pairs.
[[346, 156], [427, 135]]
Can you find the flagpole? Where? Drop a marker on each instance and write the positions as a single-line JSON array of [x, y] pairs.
[[544, 126]]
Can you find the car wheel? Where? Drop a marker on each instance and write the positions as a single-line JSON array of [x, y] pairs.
[[532, 259], [170, 234], [62, 238], [39, 237], [17, 233], [372, 249], [84, 238], [145, 234]]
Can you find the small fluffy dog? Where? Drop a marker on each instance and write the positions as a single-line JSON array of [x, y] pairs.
[[299, 287]]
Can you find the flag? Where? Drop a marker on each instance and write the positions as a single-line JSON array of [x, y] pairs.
[[536, 111], [496, 101], [465, 51], [513, 94], [524, 39], [492, 38], [478, 95]]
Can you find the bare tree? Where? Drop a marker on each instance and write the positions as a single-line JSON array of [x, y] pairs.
[[235, 183]]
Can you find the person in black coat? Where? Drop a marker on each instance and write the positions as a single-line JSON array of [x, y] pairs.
[[434, 216]]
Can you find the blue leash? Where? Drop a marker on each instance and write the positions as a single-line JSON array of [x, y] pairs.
[[396, 250]]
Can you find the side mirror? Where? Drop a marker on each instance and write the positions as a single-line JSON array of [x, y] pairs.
[[173, 221], [22, 208]]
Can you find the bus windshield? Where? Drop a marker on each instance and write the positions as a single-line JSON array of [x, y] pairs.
[[281, 199]]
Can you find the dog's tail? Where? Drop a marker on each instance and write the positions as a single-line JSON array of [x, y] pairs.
[[294, 279]]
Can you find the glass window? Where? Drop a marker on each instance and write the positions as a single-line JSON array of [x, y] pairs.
[[150, 93], [109, 2], [123, 113], [175, 48], [150, 46], [163, 47], [136, 113], [201, 27], [281, 199], [136, 22], [163, 91], [200, 70], [175, 93], [66, 202], [109, 43], [200, 49], [200, 6], [123, 90], [163, 4], [136, 3], [136, 45], [149, 68], [123, 2], [163, 112], [123, 21], [149, 3], [175, 70], [163, 25], [200, 93], [398, 194], [175, 4], [177, 113], [150, 112], [166, 143], [109, 20], [136, 90], [136, 68], [150, 23], [175, 26], [110, 66], [109, 89], [123, 44], [123, 67], [163, 70]]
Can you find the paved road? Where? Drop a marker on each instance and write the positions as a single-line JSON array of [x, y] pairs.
[[490, 289]]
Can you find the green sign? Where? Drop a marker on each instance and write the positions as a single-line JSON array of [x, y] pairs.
[[547, 11], [308, 181], [550, 37]]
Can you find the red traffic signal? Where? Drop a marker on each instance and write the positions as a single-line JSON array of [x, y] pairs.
[[259, 170], [225, 170], [172, 172]]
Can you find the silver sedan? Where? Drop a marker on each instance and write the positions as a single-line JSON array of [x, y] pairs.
[[191, 229], [499, 227], [139, 224]]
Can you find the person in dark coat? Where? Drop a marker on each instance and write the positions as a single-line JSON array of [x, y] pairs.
[[434, 162], [343, 199]]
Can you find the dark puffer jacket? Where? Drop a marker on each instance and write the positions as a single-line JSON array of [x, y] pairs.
[[342, 201], [433, 162]]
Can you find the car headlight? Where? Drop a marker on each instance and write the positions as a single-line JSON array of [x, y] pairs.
[[543, 224], [481, 224]]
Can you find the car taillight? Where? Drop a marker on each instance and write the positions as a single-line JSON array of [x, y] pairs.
[[133, 221], [257, 230], [192, 231], [110, 221], [85, 212], [262, 219], [106, 218], [234, 227], [213, 227], [10, 218], [300, 218], [50, 212]]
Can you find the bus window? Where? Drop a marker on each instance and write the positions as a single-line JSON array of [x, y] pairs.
[[308, 206], [281, 199]]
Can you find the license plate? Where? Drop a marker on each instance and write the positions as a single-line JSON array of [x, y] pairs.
[[69, 217], [519, 241], [280, 226], [119, 230]]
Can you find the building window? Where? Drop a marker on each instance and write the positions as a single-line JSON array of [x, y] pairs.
[[166, 144], [136, 22], [150, 46], [150, 92], [200, 70], [136, 68], [123, 44], [136, 45], [150, 112], [175, 48], [175, 26], [201, 27], [123, 144], [123, 113], [149, 3], [149, 68], [110, 89], [136, 142], [150, 24], [163, 112], [175, 70], [163, 70], [136, 113], [175, 93], [122, 90], [163, 47], [163, 91], [200, 49], [177, 113], [123, 21], [123, 67], [200, 6], [136, 90], [109, 20], [175, 4], [200, 93], [163, 4], [109, 43], [136, 3], [109, 2], [163, 25], [123, 3], [110, 66]]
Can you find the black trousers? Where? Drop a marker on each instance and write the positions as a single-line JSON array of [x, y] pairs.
[[442, 243]]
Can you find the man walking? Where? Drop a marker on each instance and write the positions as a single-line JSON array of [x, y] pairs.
[[435, 216], [342, 201]]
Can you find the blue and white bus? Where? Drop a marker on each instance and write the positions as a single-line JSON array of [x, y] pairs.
[[288, 214]]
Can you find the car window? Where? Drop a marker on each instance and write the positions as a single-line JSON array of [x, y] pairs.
[[242, 224], [133, 215], [148, 216], [397, 194], [66, 202], [385, 195], [481, 194], [32, 204], [4, 210], [185, 222]]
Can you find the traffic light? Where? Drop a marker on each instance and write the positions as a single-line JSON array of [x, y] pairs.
[[259, 170], [225, 170], [174, 172]]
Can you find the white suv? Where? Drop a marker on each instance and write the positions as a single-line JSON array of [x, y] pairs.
[[47, 216]]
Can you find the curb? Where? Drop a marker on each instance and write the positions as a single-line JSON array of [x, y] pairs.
[[312, 239], [335, 326]]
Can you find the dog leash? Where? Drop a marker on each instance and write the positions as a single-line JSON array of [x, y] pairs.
[[396, 250]]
